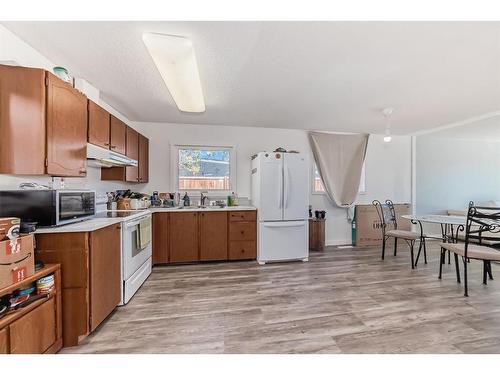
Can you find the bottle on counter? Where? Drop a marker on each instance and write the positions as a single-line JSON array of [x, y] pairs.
[[186, 200]]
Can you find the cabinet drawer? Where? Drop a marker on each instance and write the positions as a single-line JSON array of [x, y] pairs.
[[242, 231], [35, 332], [242, 250], [4, 341], [242, 215]]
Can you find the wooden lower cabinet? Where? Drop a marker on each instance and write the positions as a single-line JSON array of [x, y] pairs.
[[213, 236], [28, 336], [105, 276], [91, 282], [160, 237], [242, 250], [317, 234], [4, 341], [35, 328], [181, 237]]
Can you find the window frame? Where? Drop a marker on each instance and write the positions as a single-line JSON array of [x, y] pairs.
[[362, 184], [174, 168]]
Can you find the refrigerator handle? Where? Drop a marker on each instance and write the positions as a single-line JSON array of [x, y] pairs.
[[287, 187], [280, 195]]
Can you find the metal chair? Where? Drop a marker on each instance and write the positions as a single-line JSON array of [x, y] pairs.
[[387, 216], [481, 223]]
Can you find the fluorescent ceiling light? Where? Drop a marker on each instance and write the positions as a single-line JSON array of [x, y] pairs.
[[174, 57]]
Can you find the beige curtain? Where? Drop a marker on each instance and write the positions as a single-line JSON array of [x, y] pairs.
[[339, 159]]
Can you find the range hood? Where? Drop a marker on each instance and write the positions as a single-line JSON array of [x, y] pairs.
[[101, 157]]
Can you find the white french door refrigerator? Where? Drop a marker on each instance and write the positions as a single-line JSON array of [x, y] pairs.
[[280, 191]]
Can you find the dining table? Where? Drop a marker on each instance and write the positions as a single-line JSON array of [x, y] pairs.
[[450, 226], [447, 223]]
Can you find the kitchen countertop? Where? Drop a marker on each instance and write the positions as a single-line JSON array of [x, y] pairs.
[[93, 224]]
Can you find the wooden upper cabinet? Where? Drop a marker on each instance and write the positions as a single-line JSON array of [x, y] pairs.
[[66, 129], [143, 159], [118, 131], [132, 173], [213, 235], [99, 125], [183, 237], [105, 277], [22, 120]]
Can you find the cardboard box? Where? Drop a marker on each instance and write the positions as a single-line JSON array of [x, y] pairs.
[[367, 227], [17, 260], [9, 227]]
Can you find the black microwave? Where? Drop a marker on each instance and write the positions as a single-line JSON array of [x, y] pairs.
[[48, 207]]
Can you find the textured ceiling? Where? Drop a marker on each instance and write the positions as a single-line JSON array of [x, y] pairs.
[[306, 75]]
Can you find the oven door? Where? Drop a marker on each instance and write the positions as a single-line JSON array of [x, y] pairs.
[[74, 205], [136, 246]]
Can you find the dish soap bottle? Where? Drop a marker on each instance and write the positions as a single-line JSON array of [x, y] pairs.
[[187, 201]]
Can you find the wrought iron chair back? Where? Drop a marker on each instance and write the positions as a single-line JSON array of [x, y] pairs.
[[386, 214], [481, 223]]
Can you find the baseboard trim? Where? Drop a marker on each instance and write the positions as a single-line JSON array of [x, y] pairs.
[[338, 242]]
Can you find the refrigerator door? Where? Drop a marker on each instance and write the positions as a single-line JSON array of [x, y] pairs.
[[283, 240], [296, 187], [271, 187]]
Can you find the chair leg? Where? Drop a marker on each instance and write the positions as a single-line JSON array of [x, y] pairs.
[[457, 268], [395, 246], [466, 292], [383, 248], [490, 274], [411, 252], [485, 271], [441, 256], [425, 252], [449, 257], [419, 250]]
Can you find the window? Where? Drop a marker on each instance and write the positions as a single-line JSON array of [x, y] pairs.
[[318, 185], [204, 168]]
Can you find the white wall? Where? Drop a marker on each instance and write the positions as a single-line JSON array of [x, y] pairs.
[[452, 171], [388, 165]]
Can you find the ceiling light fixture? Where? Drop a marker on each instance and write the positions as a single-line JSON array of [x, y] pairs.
[[387, 112], [175, 59]]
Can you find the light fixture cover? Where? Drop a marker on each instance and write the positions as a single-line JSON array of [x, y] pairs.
[[175, 59]]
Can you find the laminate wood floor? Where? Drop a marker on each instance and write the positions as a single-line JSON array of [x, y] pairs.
[[341, 301]]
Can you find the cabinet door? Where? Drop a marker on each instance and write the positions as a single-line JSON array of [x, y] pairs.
[[160, 237], [132, 173], [117, 135], [213, 235], [99, 123], [183, 234], [105, 276], [35, 332], [143, 159], [22, 120], [4, 341], [66, 129]]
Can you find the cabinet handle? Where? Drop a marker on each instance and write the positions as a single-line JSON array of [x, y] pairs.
[[113, 146], [242, 232], [82, 171], [106, 144]]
